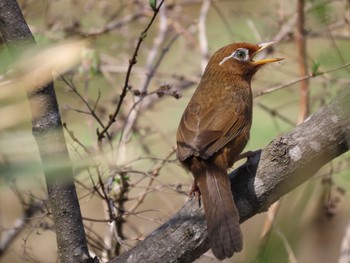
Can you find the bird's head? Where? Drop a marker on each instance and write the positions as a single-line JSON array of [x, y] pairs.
[[238, 59]]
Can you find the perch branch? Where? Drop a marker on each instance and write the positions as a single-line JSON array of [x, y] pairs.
[[285, 163]]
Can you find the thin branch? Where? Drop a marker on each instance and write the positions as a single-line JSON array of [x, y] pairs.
[[133, 114], [275, 113], [287, 27], [155, 172], [8, 236], [302, 56], [92, 111], [115, 24], [294, 81], [132, 62]]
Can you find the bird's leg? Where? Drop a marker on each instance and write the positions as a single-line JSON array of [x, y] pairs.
[[195, 191]]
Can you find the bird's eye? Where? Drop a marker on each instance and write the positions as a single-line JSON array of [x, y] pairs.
[[241, 54]]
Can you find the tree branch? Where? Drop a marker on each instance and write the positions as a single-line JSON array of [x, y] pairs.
[[9, 235], [302, 56], [285, 163], [48, 132]]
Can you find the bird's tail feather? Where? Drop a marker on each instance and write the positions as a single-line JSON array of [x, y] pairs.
[[220, 210]]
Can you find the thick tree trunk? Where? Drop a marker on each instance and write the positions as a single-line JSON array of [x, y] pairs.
[[48, 132], [285, 163]]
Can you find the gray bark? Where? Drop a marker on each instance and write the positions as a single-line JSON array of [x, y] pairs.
[[48, 132], [285, 163]]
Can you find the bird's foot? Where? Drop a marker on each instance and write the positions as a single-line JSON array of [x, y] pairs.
[[195, 192]]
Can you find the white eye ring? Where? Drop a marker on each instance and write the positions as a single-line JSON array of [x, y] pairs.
[[240, 54]]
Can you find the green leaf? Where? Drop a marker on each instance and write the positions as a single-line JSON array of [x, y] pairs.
[[153, 4], [322, 11], [143, 35], [315, 67]]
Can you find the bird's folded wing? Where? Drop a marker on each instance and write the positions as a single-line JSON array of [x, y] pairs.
[[204, 131]]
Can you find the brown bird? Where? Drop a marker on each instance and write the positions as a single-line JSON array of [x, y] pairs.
[[213, 131]]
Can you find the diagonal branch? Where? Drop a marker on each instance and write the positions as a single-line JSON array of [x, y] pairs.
[[285, 163], [8, 236]]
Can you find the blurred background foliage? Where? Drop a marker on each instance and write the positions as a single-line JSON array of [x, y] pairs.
[[137, 168]]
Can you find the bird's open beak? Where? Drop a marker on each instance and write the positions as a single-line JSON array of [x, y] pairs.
[[262, 47]]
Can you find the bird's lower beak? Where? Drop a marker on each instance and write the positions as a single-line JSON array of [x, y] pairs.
[[262, 47]]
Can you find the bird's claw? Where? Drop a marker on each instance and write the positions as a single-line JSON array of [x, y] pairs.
[[195, 192]]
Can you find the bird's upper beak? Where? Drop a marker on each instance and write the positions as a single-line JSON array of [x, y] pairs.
[[262, 47]]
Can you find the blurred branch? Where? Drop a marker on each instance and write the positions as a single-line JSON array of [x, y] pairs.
[[328, 31], [287, 27], [275, 113], [287, 246], [292, 82], [9, 235], [304, 105], [223, 18], [302, 56], [157, 43], [155, 172], [115, 24], [48, 132], [203, 41], [284, 164], [345, 247]]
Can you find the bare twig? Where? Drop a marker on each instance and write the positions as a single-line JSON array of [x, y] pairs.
[[115, 24], [302, 56], [287, 27], [133, 114], [292, 82], [92, 110], [132, 62], [154, 172], [275, 113], [8, 236]]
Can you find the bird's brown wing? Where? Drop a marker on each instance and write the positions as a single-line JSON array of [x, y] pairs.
[[206, 128]]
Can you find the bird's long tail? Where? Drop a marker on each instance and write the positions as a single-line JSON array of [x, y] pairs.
[[220, 210]]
